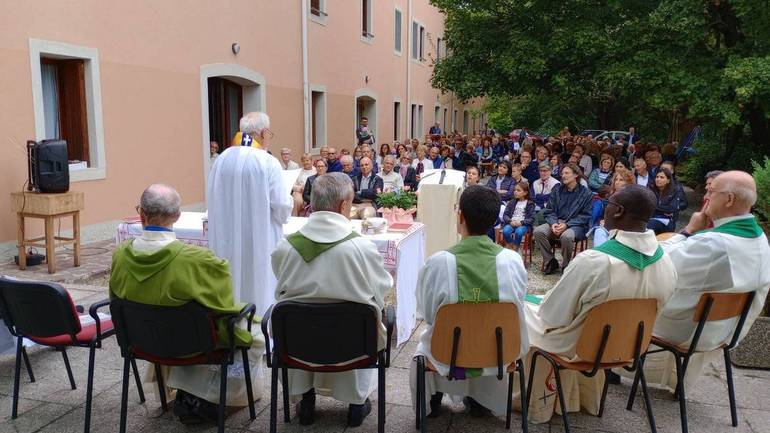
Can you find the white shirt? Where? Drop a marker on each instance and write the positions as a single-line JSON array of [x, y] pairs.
[[540, 187], [643, 180], [291, 165], [391, 181]]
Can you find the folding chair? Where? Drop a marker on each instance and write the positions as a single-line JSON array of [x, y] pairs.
[[177, 336], [526, 245], [615, 334], [324, 338], [475, 336], [44, 313], [711, 307]]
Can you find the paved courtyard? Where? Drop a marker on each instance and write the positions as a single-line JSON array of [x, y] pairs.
[[49, 405]]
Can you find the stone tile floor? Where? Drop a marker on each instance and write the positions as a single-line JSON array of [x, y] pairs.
[[49, 405]]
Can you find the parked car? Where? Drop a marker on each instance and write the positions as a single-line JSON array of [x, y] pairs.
[[614, 135], [592, 132]]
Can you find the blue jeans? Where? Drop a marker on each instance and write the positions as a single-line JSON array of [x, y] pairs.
[[514, 235]]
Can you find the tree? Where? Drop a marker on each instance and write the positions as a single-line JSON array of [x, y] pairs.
[[661, 65]]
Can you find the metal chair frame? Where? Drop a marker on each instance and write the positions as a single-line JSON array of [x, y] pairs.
[[130, 352], [278, 361], [95, 343], [683, 358]]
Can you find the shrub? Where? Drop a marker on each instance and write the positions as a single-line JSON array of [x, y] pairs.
[[762, 178], [399, 199]]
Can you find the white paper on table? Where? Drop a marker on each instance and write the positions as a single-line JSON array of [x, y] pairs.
[[289, 178]]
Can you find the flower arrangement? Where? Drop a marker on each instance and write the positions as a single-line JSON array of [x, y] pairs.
[[398, 206]]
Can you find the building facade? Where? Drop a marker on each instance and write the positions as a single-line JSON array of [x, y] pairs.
[[140, 88]]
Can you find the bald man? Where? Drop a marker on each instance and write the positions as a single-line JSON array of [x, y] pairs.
[[332, 160], [630, 265], [733, 257]]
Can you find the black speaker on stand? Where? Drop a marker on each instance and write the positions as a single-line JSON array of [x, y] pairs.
[[48, 166]]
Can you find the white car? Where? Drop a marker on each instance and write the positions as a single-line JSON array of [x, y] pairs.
[[614, 135]]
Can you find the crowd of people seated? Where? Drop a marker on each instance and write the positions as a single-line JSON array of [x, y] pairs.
[[628, 263]]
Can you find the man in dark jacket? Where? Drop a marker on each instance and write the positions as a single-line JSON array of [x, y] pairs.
[[567, 217], [407, 172], [366, 184]]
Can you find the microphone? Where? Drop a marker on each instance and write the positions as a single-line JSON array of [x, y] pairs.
[[443, 174]]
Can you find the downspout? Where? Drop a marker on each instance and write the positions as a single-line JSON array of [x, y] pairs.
[[305, 78], [408, 56]]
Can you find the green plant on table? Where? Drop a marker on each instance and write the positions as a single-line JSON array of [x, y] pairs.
[[397, 199]]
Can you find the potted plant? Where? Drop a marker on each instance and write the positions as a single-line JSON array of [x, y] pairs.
[[754, 349], [397, 206]]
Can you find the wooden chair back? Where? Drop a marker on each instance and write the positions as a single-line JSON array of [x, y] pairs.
[[623, 317], [724, 305], [478, 340]]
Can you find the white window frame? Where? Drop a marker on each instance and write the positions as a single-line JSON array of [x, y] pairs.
[[369, 37], [398, 51], [97, 166], [420, 121], [321, 17], [321, 129]]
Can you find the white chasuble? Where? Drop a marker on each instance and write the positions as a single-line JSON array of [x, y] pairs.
[[352, 270], [248, 203]]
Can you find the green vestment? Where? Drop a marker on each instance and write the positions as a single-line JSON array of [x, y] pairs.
[[175, 275], [630, 256], [476, 258]]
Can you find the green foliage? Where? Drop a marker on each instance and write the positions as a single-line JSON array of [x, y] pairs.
[[398, 199], [762, 178], [663, 66]]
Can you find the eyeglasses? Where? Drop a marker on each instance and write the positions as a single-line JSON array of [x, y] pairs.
[[617, 205], [270, 134], [138, 208]]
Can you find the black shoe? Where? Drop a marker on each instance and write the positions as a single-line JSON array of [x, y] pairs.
[[475, 408], [612, 377], [435, 404], [306, 408], [357, 413], [551, 267], [194, 410]]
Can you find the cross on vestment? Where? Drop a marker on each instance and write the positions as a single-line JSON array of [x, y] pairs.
[[246, 141], [476, 295]]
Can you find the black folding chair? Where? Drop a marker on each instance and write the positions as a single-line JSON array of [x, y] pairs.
[[323, 338], [711, 307], [176, 336], [44, 313]]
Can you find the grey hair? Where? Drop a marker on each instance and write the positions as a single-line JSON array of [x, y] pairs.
[[330, 190], [713, 173], [346, 158], [254, 123], [160, 201], [390, 158]]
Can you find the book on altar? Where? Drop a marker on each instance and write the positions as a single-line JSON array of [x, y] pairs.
[[289, 178]]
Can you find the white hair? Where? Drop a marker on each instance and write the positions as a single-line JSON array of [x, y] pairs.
[[346, 158], [744, 194], [390, 158], [254, 123]]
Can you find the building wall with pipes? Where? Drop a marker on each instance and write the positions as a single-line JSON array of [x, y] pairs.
[[147, 71]]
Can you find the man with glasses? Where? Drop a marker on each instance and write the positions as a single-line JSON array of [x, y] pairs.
[[248, 205], [332, 161], [631, 265]]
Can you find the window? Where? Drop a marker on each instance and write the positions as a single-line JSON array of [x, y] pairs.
[[438, 49], [318, 117], [465, 121], [64, 104], [67, 103], [396, 120], [413, 124], [318, 8], [420, 132], [436, 111], [366, 18], [418, 41], [454, 121], [397, 31]]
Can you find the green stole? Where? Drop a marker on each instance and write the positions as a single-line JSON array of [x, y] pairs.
[[744, 227], [309, 249], [476, 258], [630, 256]]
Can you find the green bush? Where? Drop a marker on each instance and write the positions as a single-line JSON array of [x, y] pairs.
[[761, 175], [400, 199]]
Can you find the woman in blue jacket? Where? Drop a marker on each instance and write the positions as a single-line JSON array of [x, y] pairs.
[[519, 216], [664, 218], [502, 183]]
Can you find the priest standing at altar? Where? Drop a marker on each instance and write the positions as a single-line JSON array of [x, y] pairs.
[[248, 204]]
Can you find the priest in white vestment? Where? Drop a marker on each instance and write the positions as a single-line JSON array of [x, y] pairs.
[[327, 261], [631, 265], [474, 270], [733, 257], [248, 203]]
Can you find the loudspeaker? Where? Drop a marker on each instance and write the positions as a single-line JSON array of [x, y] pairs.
[[50, 166]]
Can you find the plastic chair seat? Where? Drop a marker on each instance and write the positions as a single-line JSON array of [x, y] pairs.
[[354, 365], [86, 335], [429, 367], [681, 349]]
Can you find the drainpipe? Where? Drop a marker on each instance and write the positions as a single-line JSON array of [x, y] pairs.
[[408, 56], [305, 78]]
